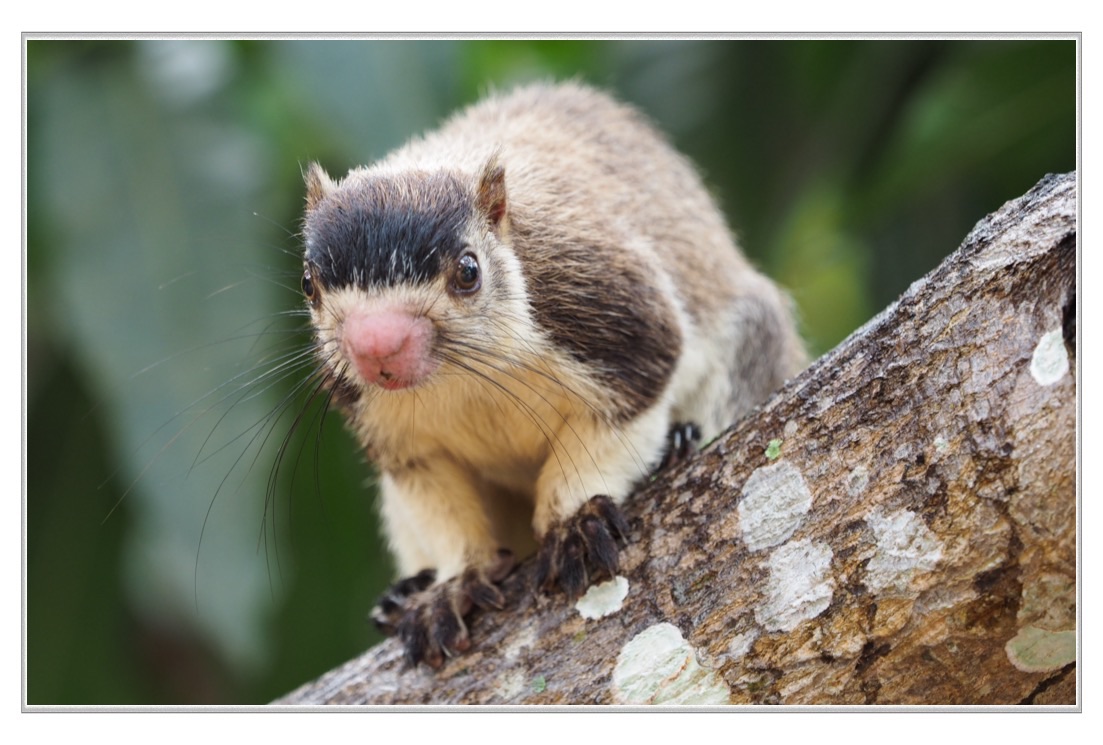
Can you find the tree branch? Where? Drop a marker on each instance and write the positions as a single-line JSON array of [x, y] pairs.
[[897, 525]]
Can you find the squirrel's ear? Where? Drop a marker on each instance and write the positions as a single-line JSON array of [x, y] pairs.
[[491, 196], [318, 184]]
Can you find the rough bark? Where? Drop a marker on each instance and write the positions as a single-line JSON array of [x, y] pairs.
[[896, 526]]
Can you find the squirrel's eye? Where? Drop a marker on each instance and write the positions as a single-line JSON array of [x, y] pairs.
[[467, 278], [309, 288]]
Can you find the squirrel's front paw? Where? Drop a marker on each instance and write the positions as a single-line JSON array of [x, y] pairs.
[[582, 548], [430, 620], [391, 606]]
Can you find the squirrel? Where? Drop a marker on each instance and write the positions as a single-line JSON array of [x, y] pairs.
[[521, 315]]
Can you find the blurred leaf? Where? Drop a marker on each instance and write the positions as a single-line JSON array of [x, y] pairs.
[[76, 620], [150, 211], [971, 116], [823, 266]]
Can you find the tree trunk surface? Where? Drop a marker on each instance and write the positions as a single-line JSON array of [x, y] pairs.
[[895, 526]]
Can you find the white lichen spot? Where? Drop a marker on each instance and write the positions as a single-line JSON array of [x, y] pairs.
[[740, 644], [1035, 650], [857, 481], [941, 444], [603, 599], [800, 585], [905, 547], [658, 666], [1048, 601], [510, 686], [1050, 361], [525, 638], [775, 501]]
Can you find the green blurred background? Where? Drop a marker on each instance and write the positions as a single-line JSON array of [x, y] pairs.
[[163, 201]]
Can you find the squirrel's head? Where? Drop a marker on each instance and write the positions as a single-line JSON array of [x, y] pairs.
[[405, 271]]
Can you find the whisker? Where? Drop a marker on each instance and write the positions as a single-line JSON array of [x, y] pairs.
[[488, 358], [253, 389], [545, 430], [572, 394]]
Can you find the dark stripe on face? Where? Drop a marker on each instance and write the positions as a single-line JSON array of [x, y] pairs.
[[388, 230]]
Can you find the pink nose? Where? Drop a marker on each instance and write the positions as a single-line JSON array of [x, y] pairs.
[[389, 347]]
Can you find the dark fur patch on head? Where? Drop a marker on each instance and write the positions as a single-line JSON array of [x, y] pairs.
[[388, 230]]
